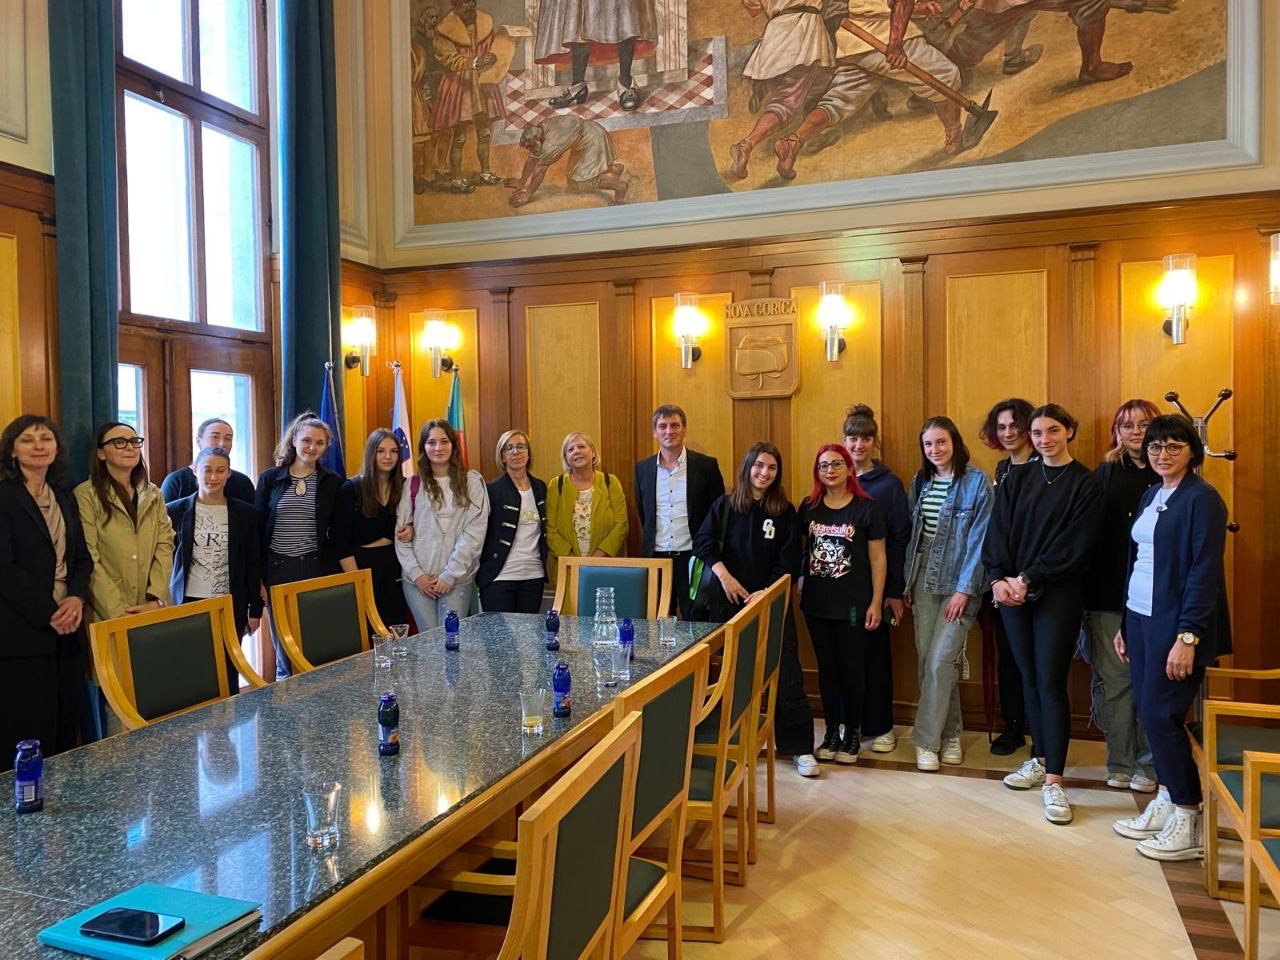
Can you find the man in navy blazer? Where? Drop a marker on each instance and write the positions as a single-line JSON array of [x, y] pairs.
[[675, 489]]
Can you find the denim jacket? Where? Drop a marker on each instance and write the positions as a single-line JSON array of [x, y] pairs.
[[954, 563]]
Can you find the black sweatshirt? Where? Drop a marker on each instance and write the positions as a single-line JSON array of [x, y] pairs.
[[1123, 484], [758, 549], [1045, 524]]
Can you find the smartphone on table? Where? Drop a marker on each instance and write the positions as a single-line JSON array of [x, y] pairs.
[[132, 926]]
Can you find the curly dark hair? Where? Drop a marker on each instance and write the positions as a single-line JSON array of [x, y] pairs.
[[9, 469], [1021, 411]]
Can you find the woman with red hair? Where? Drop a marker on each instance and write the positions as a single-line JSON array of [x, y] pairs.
[[841, 590]]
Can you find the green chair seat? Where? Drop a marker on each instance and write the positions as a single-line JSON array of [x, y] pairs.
[[702, 775], [1272, 846], [1233, 780], [642, 876], [1234, 739], [630, 590]]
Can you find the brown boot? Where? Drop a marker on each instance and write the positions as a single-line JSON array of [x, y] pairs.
[[1093, 69], [949, 114]]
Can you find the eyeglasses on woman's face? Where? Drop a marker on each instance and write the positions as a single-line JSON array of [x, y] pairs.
[[1172, 449], [515, 448], [122, 443], [825, 466], [1140, 427]]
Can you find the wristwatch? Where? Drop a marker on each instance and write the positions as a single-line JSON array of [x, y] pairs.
[[1189, 638]]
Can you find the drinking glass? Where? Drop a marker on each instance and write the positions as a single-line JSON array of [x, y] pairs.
[[321, 799], [532, 709], [399, 636], [621, 656], [667, 631], [381, 649], [602, 661]]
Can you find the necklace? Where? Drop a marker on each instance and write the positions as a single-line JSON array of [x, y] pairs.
[[1162, 503], [300, 488], [1044, 470]]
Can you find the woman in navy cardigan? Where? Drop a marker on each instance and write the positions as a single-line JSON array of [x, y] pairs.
[[513, 563], [1175, 625]]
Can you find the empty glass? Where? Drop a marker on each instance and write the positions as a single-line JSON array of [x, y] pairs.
[[667, 631], [602, 660], [399, 636], [532, 710], [621, 663], [321, 799], [381, 649]]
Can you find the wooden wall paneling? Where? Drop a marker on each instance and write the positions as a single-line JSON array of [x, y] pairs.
[[903, 362], [617, 388], [1264, 552], [10, 331], [380, 390], [27, 374], [564, 376], [492, 346], [754, 420], [1081, 323]]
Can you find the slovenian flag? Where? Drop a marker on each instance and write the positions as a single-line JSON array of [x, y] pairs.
[[400, 426], [332, 456], [454, 416]]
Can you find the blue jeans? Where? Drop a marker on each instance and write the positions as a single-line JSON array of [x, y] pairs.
[[428, 613], [939, 651], [1114, 710]]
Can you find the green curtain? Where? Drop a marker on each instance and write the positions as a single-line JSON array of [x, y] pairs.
[[310, 296], [83, 87]]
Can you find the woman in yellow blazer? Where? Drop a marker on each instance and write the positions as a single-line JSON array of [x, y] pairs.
[[586, 509], [127, 529]]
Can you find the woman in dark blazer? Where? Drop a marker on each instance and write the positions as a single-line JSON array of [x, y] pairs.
[[513, 563], [44, 585], [1175, 625], [301, 532], [216, 547]]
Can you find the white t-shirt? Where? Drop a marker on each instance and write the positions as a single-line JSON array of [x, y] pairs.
[[524, 562], [1144, 567], [210, 573]]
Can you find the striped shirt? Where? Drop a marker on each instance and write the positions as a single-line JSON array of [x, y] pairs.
[[931, 504], [294, 534]]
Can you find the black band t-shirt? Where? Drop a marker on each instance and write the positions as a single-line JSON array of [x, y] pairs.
[[837, 564]]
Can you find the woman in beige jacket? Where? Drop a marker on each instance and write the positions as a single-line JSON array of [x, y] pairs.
[[130, 538]]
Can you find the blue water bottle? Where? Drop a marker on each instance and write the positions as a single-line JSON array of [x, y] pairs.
[[451, 630], [388, 725], [561, 684], [553, 630], [28, 777], [627, 636]]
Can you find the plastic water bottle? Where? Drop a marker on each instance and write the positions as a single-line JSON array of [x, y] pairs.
[[388, 725], [28, 779], [553, 630], [627, 636], [561, 684], [451, 624]]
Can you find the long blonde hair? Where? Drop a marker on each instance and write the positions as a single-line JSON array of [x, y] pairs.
[[285, 453]]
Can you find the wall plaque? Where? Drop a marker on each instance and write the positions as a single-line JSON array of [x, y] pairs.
[[761, 359]]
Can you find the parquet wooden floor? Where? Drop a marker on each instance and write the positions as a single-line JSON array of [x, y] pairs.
[[881, 862]]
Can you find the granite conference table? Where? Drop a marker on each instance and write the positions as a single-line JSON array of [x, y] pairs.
[[210, 800]]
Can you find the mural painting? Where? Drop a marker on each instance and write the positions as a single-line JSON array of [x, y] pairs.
[[538, 106]]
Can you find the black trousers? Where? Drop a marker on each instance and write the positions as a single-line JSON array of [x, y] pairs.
[[41, 698], [388, 595], [512, 596], [1013, 709], [1043, 635], [1162, 707], [680, 602], [794, 718], [840, 649], [282, 569], [877, 684]]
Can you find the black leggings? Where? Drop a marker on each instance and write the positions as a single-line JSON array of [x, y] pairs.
[[840, 649], [1043, 636]]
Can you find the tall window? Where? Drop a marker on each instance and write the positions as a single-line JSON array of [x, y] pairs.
[[193, 146]]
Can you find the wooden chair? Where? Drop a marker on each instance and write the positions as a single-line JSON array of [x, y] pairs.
[[348, 949], [724, 748], [1223, 783], [778, 598], [1262, 844], [669, 702], [641, 587], [326, 618], [564, 898], [156, 664]]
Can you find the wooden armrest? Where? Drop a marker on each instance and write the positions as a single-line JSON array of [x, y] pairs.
[[469, 881], [1239, 673], [497, 849]]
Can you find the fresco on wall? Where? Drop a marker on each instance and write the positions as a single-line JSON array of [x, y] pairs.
[[537, 106]]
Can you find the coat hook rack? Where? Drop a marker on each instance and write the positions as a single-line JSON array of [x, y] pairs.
[[1202, 428]]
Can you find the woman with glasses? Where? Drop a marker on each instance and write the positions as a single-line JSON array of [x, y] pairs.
[[448, 507], [586, 508], [369, 502], [1039, 542], [841, 592], [44, 587], [513, 563], [1125, 477], [130, 539], [1007, 428], [1175, 624]]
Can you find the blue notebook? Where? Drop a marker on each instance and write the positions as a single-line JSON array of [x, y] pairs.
[[210, 920]]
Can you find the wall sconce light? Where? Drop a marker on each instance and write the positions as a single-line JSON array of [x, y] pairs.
[[1177, 294], [690, 325], [1275, 268], [440, 336], [362, 338], [835, 315]]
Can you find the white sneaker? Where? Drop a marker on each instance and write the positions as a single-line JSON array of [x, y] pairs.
[[1179, 840], [885, 743], [1119, 781], [1149, 822], [1141, 784], [952, 752], [807, 765], [926, 760], [1057, 809], [1030, 774]]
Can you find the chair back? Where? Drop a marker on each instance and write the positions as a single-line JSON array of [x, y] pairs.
[[570, 848], [326, 618], [641, 586], [347, 949], [727, 703], [155, 664], [777, 597]]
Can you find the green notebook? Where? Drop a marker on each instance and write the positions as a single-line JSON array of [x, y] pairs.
[[209, 921]]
